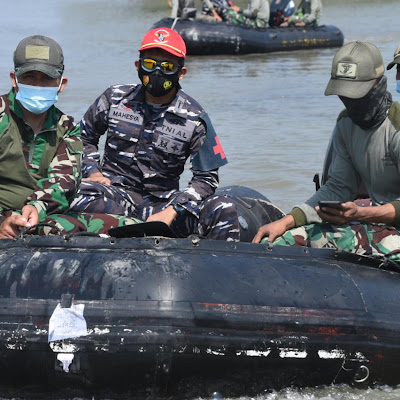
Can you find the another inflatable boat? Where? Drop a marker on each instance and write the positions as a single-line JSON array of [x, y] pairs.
[[152, 317], [204, 37]]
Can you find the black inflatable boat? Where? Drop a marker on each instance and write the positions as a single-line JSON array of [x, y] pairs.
[[156, 316], [204, 37]]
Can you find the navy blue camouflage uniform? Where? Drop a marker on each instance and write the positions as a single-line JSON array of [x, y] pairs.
[[145, 152]]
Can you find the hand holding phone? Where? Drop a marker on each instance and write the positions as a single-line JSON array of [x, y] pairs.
[[331, 204]]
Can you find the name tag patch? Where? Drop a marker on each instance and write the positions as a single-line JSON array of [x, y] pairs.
[[125, 114]]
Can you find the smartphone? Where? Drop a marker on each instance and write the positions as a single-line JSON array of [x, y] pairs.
[[331, 204]]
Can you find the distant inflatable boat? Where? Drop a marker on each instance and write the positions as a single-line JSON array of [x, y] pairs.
[[204, 37], [162, 317]]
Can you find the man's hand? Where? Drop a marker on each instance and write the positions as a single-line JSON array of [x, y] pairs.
[[347, 214], [385, 214], [11, 226], [98, 177], [274, 229], [168, 215], [30, 214], [215, 15]]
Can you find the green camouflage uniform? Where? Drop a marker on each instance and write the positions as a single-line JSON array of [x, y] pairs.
[[367, 239], [309, 12], [237, 18], [70, 223], [43, 169]]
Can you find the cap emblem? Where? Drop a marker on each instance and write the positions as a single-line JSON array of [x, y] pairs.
[[162, 36], [41, 52], [346, 70]]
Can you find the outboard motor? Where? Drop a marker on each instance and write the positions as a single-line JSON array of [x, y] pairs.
[[188, 13], [279, 9]]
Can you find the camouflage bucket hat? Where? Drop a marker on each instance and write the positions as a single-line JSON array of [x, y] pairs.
[[355, 68], [39, 53]]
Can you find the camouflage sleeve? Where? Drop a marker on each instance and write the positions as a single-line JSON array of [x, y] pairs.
[[203, 183], [54, 193], [93, 125]]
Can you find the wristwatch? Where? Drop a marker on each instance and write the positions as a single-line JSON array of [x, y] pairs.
[[178, 208]]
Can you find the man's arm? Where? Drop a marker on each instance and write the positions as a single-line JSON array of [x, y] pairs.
[[93, 125], [252, 10], [275, 229], [174, 11], [315, 14], [204, 181], [212, 9], [342, 185], [54, 193], [205, 178]]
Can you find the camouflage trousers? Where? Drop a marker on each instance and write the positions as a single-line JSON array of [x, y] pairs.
[[366, 239], [71, 223], [236, 18], [218, 218]]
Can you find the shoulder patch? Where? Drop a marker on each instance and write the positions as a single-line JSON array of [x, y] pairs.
[[211, 155], [394, 115]]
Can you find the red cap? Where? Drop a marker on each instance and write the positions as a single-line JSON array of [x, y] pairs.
[[166, 39]]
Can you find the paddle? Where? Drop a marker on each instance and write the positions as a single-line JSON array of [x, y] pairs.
[[154, 228]]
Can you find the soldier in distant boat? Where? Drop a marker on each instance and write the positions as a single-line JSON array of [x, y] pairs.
[[256, 15], [221, 7], [179, 7], [309, 12]]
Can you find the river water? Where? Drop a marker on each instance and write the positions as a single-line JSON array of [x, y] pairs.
[[269, 110]]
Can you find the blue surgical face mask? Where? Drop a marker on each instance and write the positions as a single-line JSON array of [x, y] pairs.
[[37, 99], [398, 86]]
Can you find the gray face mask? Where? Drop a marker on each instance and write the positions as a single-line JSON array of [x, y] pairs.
[[371, 110]]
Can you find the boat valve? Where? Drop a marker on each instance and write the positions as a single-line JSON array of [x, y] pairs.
[[361, 374]]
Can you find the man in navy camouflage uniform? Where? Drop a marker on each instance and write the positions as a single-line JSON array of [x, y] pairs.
[[152, 129], [40, 148]]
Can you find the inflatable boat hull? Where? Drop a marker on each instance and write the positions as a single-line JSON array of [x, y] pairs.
[[203, 37], [168, 316]]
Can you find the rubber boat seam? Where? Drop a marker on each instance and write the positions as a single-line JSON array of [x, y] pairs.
[[355, 284]]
